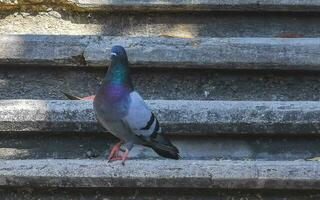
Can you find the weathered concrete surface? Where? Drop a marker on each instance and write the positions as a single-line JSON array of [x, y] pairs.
[[172, 24], [178, 116], [19, 83], [245, 53], [31, 193], [162, 5], [203, 5], [162, 173], [43, 49], [217, 53], [98, 146]]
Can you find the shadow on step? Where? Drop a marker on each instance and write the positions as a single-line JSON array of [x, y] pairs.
[[97, 146], [8, 193]]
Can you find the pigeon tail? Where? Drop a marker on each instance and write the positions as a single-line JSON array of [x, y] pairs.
[[166, 151], [162, 146]]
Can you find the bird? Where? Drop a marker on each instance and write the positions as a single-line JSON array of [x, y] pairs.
[[121, 110]]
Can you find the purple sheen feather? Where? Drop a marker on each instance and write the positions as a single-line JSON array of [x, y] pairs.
[[114, 93]]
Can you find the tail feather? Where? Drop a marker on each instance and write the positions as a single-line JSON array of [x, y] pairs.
[[71, 97], [166, 151], [162, 146]]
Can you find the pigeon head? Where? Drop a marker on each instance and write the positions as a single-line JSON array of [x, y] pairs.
[[118, 52], [119, 72]]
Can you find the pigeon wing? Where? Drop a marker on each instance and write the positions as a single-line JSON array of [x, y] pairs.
[[140, 119], [143, 123]]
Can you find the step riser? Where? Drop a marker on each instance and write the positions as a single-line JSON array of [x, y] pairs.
[[97, 146], [22, 193], [170, 24], [19, 83]]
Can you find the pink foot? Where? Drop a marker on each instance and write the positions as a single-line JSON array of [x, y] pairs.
[[114, 152]]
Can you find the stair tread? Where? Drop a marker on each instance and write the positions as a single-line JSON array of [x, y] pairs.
[[178, 117], [162, 173], [213, 53]]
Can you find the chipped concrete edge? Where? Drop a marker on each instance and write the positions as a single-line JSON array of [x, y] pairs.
[[177, 117], [162, 52], [156, 6], [162, 173]]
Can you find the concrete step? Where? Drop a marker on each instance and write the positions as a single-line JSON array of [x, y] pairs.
[[248, 148], [172, 6], [200, 53], [280, 175], [178, 117]]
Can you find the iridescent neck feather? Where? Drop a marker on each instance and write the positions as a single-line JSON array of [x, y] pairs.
[[119, 73]]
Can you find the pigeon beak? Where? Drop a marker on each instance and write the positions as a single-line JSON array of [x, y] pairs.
[[113, 54]]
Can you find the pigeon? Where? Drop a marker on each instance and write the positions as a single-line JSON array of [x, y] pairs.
[[122, 111]]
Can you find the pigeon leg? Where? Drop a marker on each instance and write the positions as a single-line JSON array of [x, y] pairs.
[[114, 152], [128, 147], [125, 156]]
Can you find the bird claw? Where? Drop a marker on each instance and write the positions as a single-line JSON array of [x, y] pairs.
[[115, 150], [114, 154], [123, 158]]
